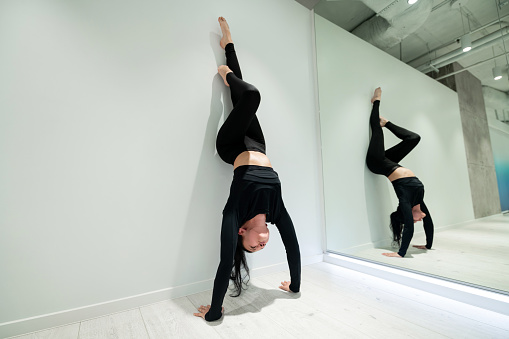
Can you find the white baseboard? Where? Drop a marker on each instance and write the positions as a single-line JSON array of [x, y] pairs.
[[75, 315], [382, 243], [358, 248], [472, 295], [283, 266], [464, 223]]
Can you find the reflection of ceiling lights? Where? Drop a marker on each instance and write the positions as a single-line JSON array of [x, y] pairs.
[[497, 73], [466, 42], [411, 2]]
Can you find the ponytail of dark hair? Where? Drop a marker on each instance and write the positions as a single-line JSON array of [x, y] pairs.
[[396, 226], [239, 260]]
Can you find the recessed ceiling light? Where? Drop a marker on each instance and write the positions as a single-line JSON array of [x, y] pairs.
[[411, 2]]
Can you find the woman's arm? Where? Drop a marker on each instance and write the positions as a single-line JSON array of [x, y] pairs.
[[408, 229], [287, 231], [428, 225], [229, 230]]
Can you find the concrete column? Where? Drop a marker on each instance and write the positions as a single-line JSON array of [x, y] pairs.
[[481, 166]]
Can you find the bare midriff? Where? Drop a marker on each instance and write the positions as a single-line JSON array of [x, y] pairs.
[[401, 172], [251, 158]]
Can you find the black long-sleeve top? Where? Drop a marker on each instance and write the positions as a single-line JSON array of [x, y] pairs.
[[254, 190], [410, 192]]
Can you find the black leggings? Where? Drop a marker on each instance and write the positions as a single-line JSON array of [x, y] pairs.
[[241, 131], [380, 161]]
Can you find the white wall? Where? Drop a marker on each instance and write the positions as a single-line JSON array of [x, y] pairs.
[[110, 183], [357, 202]]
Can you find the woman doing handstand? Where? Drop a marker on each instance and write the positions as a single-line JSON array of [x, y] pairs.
[[255, 193], [409, 189]]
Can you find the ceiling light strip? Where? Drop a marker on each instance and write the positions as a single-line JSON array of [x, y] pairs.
[[455, 40], [500, 24], [469, 67]]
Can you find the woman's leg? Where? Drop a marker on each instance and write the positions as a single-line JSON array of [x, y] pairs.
[[376, 150], [254, 131], [233, 63], [230, 138], [408, 143], [242, 121]]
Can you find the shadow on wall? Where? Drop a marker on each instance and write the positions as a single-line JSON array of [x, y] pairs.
[[212, 176], [379, 206]]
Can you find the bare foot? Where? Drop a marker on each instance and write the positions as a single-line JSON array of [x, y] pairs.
[[377, 95], [223, 70], [227, 37], [395, 255], [383, 121]]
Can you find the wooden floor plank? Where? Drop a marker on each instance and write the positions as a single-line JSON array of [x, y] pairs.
[[122, 325], [62, 332], [402, 301], [299, 319], [241, 319], [371, 321], [175, 319]]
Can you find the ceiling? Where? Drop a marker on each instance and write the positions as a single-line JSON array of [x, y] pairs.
[[433, 33]]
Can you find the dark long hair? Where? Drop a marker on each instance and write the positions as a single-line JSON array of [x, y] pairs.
[[239, 261], [396, 226]]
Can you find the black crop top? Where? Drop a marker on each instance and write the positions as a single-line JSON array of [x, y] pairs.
[[254, 190]]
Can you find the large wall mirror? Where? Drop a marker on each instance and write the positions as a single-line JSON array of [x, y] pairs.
[[358, 203]]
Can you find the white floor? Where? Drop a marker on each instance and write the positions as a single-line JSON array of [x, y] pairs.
[[334, 302], [477, 253]]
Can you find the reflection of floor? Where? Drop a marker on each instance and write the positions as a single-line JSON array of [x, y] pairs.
[[477, 253], [334, 302]]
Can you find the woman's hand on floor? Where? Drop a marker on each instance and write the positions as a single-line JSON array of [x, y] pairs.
[[285, 286], [202, 310], [392, 254], [421, 247]]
